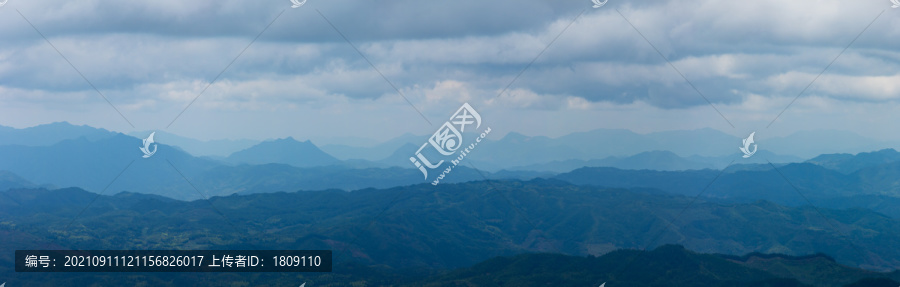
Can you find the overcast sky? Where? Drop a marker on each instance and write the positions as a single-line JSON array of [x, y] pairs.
[[300, 78]]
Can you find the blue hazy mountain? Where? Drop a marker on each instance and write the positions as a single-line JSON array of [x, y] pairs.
[[794, 184], [849, 163], [515, 149], [604, 147], [48, 134], [365, 150], [701, 142], [113, 164], [651, 160], [284, 151], [400, 157], [808, 144], [213, 148], [698, 148], [762, 156], [747, 185], [654, 160], [702, 147], [617, 142], [268, 178], [618, 148], [10, 180], [286, 164]]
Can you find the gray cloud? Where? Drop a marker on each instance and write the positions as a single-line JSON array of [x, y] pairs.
[[155, 57]]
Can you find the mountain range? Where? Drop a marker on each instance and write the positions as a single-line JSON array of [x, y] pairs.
[[451, 225], [76, 187], [669, 265], [103, 161], [703, 148], [110, 166], [482, 227], [217, 149], [822, 181], [48, 134], [285, 151]]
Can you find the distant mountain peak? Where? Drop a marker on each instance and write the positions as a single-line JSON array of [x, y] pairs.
[[51, 133], [514, 136], [658, 153], [285, 151], [890, 151], [62, 123], [289, 139]]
